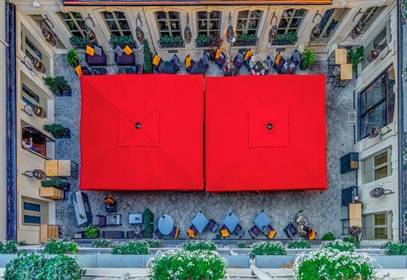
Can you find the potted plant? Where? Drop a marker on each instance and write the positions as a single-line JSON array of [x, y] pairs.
[[308, 58], [73, 58], [148, 220], [148, 58], [63, 85], [122, 41], [53, 85], [165, 41], [289, 38], [57, 130], [202, 41], [252, 39], [92, 232], [356, 57], [79, 43], [56, 183]]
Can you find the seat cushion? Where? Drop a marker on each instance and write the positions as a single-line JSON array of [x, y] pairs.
[[98, 50], [118, 50], [156, 60], [90, 51], [224, 232], [188, 61], [312, 235], [248, 55], [218, 52], [78, 70], [127, 50], [271, 234], [191, 233]]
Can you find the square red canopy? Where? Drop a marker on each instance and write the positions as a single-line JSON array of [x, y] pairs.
[[141, 132], [265, 133]]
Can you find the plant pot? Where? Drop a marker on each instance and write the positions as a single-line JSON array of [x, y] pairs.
[[58, 92], [67, 92], [67, 133], [66, 187]]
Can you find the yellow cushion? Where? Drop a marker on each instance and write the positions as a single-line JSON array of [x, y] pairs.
[[156, 60], [218, 52], [191, 233], [224, 232], [109, 200], [127, 50], [176, 233], [278, 58], [248, 55], [78, 70], [271, 234], [188, 61], [90, 51], [312, 235]]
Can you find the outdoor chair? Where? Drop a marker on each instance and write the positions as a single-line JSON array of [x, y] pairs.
[[204, 61], [175, 63], [95, 56], [157, 62], [99, 220], [175, 232], [192, 231], [280, 65], [125, 59], [189, 63], [295, 59], [239, 232], [290, 230], [212, 225], [272, 232], [224, 232], [269, 62], [239, 59], [220, 58], [158, 234], [246, 61], [254, 232]]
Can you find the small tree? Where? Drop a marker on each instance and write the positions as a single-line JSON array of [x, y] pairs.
[[148, 67]]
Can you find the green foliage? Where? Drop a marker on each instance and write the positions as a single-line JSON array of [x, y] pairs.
[[299, 244], [352, 239], [61, 82], [148, 66], [356, 57], [8, 247], [335, 265], [241, 245], [246, 39], [338, 245], [73, 58], [171, 42], [79, 42], [55, 129], [50, 82], [101, 243], [57, 183], [130, 248], [181, 264], [36, 266], [394, 248], [61, 246], [22, 243], [122, 41], [308, 58], [289, 38], [272, 248], [328, 236], [203, 40], [195, 245], [154, 243], [92, 231], [148, 215]]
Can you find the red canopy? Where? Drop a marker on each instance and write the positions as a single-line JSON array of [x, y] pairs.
[[265, 133], [142, 132]]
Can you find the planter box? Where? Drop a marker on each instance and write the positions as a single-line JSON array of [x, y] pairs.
[[57, 93], [113, 234], [67, 133], [238, 261], [120, 261], [52, 193], [58, 168], [273, 261], [49, 232], [67, 92]]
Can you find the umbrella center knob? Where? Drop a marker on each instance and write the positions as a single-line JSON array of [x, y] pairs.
[[138, 125], [269, 126]]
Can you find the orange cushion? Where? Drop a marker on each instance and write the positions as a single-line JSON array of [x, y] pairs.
[[271, 234], [156, 60], [278, 58], [191, 233], [90, 51], [312, 235], [188, 62], [176, 233], [224, 232], [109, 200], [218, 52], [78, 70], [127, 50], [248, 55]]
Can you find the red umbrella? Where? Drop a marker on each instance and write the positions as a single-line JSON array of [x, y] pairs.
[[265, 133], [141, 132]]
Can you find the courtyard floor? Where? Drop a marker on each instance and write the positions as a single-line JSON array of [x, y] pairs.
[[324, 210]]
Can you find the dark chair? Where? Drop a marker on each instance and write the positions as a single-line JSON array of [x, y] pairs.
[[204, 61], [224, 232], [175, 232], [290, 230], [175, 63], [85, 70], [221, 58], [189, 63], [239, 60], [125, 59], [139, 68], [280, 64], [192, 231], [295, 58], [239, 232], [254, 231], [212, 225], [131, 234], [166, 67], [269, 62], [99, 220], [158, 234], [246, 61], [98, 71], [96, 60]]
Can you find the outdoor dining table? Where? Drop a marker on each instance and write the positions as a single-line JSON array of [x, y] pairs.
[[231, 221], [262, 220], [200, 222], [165, 224]]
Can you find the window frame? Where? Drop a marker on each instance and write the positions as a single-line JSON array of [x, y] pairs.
[[167, 20], [388, 220], [208, 22], [289, 19], [368, 18], [371, 44], [321, 40], [31, 51], [117, 23], [373, 168], [75, 21], [43, 213], [247, 19]]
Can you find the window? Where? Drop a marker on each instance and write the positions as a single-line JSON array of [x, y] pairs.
[[42, 145], [35, 212], [117, 23], [74, 22], [376, 103], [369, 17], [209, 23], [30, 93], [384, 37], [377, 166], [38, 19], [290, 21], [329, 23], [377, 226], [169, 24], [31, 49], [248, 22]]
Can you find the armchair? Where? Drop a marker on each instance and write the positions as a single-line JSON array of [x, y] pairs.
[[97, 57], [220, 58], [192, 231], [212, 225], [290, 230], [254, 232], [239, 232], [224, 232], [272, 232], [99, 220], [175, 232]]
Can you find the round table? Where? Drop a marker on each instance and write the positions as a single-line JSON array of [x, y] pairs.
[[165, 224]]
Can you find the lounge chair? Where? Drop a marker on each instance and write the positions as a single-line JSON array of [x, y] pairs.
[[220, 58], [290, 230], [212, 225], [312, 235], [99, 220], [254, 232], [239, 232], [95, 56]]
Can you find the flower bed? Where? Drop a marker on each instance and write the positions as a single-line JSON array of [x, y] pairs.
[[8, 247], [331, 264], [181, 264], [299, 244], [338, 245], [267, 248], [61, 246], [199, 245], [130, 248]]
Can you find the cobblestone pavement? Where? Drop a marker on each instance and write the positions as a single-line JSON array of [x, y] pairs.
[[322, 209]]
